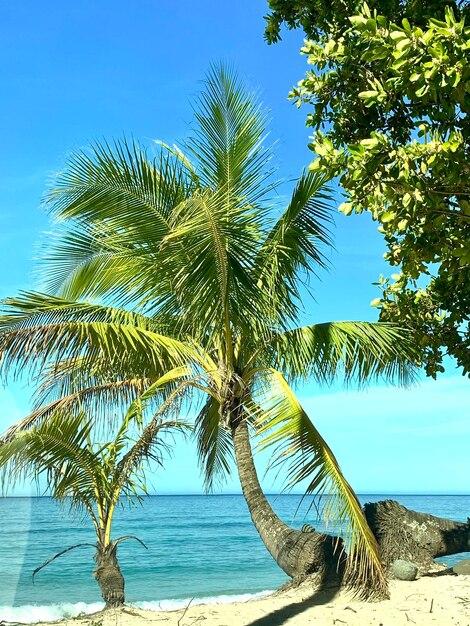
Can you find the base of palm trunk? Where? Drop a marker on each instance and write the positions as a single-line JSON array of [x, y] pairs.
[[312, 555], [110, 579]]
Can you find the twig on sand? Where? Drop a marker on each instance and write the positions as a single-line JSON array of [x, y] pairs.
[[129, 611], [430, 608], [413, 594], [408, 618], [349, 608], [198, 619], [185, 610], [339, 621]]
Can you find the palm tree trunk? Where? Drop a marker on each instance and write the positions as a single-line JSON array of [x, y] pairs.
[[298, 553], [109, 576], [412, 536]]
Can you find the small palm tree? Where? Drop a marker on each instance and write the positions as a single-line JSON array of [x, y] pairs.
[[93, 477], [190, 240]]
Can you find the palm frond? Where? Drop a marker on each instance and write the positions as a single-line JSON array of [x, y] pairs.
[[149, 445], [103, 401], [59, 554], [65, 379], [228, 141], [31, 339], [283, 423], [179, 377], [203, 282], [103, 193], [214, 444], [176, 152], [94, 260], [359, 352], [295, 244], [119, 183], [57, 449], [32, 307]]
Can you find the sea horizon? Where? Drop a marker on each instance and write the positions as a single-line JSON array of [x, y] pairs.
[[274, 493]]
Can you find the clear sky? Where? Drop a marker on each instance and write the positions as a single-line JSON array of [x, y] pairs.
[[73, 72]]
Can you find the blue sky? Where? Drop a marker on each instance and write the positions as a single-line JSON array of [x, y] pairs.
[[75, 72]]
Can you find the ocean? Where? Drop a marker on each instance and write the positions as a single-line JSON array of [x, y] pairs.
[[201, 547]]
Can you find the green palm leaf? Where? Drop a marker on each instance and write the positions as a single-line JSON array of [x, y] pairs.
[[214, 445], [58, 450], [112, 189], [358, 351], [295, 243], [228, 143], [103, 401], [31, 338]]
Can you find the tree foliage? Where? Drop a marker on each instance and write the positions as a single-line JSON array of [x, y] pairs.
[[91, 477], [390, 118], [316, 17]]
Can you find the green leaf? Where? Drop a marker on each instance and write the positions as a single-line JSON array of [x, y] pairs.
[[368, 94]]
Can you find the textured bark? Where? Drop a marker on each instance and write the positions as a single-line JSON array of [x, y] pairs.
[[416, 537], [298, 553], [109, 577]]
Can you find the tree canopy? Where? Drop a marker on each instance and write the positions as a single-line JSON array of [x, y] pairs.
[[390, 118], [93, 477], [316, 17]]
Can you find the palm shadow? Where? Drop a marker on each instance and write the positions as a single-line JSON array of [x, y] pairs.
[[280, 616]]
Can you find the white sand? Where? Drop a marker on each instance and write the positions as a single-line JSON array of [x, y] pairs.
[[443, 601]]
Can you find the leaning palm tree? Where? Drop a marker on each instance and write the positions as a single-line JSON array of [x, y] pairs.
[[191, 242], [92, 477]]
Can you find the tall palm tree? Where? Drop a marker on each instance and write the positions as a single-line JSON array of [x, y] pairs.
[[94, 478], [190, 240]]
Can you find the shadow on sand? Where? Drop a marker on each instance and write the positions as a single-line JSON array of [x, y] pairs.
[[280, 616]]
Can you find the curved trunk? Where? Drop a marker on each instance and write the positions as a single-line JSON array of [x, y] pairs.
[[109, 576], [416, 537], [298, 553]]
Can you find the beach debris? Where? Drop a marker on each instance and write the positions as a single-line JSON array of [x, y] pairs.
[[404, 570], [462, 567], [185, 611], [443, 572], [408, 618], [413, 594], [432, 604]]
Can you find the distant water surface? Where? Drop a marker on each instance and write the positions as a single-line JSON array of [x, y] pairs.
[[198, 546]]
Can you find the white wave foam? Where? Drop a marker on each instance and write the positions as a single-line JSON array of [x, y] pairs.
[[30, 614], [173, 605]]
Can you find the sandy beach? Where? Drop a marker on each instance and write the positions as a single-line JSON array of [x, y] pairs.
[[443, 601]]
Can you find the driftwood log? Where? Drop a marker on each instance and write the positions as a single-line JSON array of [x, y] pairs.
[[416, 537]]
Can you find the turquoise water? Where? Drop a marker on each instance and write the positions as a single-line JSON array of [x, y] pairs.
[[198, 546]]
